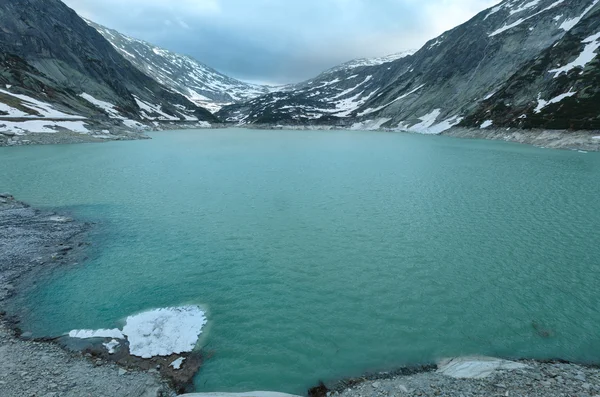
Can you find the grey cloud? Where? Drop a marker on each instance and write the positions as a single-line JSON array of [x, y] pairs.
[[280, 41]]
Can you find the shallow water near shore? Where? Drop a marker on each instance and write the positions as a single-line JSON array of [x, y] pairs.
[[321, 255]]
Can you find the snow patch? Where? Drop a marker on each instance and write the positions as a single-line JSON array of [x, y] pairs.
[[12, 112], [585, 57], [524, 7], [177, 363], [444, 125], [493, 11], [486, 124], [488, 96], [42, 109], [42, 126], [521, 20], [108, 107], [373, 110], [148, 109], [159, 332], [570, 23], [204, 124], [369, 125], [428, 126], [111, 346], [99, 333], [134, 124], [162, 332], [542, 103], [427, 121]]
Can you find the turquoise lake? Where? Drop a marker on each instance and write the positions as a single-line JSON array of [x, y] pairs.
[[323, 255]]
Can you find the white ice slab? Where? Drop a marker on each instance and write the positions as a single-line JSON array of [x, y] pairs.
[[110, 346], [177, 363], [476, 367], [98, 333], [162, 332]]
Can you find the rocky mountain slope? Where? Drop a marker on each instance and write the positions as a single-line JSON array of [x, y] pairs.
[[559, 89], [499, 65], [183, 74], [59, 73], [332, 95]]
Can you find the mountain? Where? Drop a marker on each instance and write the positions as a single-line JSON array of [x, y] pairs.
[[559, 89], [183, 74], [59, 73], [335, 93], [527, 63]]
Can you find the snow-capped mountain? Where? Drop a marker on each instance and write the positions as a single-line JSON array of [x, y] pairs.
[[183, 74], [478, 68], [559, 89], [356, 63], [59, 73], [335, 92]]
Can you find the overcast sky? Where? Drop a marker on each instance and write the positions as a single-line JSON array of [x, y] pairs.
[[281, 41]]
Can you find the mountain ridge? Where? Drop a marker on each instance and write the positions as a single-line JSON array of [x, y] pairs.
[[436, 88], [55, 66], [183, 74]]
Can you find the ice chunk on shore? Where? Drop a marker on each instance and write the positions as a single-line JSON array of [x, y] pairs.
[[162, 332], [475, 367], [177, 363], [98, 333], [110, 346]]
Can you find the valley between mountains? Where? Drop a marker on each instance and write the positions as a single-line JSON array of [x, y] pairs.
[[518, 71]]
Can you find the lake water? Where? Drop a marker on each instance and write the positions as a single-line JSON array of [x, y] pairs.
[[321, 255]]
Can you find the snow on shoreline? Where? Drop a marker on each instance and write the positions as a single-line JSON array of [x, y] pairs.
[[99, 333], [162, 332], [158, 332]]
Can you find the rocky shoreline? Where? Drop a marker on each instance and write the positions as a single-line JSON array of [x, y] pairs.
[[64, 138], [474, 376], [32, 243], [588, 141]]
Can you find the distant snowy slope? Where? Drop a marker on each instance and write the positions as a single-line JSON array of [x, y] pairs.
[[546, 50], [335, 93], [183, 74], [356, 63]]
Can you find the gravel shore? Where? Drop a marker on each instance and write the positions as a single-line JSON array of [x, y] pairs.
[[551, 139], [33, 242], [65, 137], [29, 368], [528, 378], [588, 141]]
